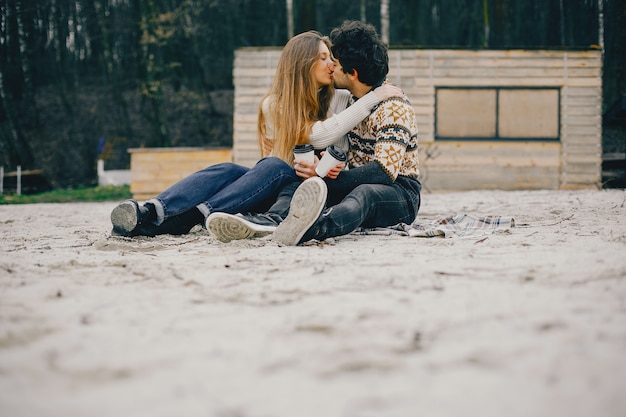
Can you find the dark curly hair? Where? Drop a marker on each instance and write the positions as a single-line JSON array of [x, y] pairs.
[[357, 46]]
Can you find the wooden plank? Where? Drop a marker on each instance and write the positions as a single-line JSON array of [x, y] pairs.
[[267, 61], [491, 177], [245, 119], [594, 121], [530, 64], [581, 140], [253, 73], [585, 148], [256, 83], [582, 112], [580, 186], [589, 131], [508, 54], [174, 160], [503, 153], [155, 169], [460, 81], [248, 102], [571, 91], [594, 159], [252, 95], [477, 165], [582, 101], [580, 181], [513, 72]]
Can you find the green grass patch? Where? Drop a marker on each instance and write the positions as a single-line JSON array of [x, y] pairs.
[[106, 193]]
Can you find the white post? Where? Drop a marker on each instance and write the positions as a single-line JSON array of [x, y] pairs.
[[19, 180]]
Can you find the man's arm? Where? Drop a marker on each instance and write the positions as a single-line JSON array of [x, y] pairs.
[[392, 125], [370, 173]]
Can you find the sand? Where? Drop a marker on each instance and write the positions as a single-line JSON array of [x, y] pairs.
[[529, 322]]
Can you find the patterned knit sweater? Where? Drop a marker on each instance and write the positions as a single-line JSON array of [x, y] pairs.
[[389, 137]]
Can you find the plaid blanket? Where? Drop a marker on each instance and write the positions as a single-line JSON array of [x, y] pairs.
[[460, 225]]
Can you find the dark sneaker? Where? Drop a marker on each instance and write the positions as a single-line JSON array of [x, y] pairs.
[[176, 225], [306, 205], [226, 227], [127, 216], [262, 219]]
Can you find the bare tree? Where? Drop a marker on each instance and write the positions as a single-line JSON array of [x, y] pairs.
[[486, 22], [289, 18], [384, 20], [17, 99], [601, 25]]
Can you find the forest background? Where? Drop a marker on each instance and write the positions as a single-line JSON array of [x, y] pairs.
[[82, 80]]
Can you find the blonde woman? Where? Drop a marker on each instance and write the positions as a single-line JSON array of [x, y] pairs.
[[300, 107]]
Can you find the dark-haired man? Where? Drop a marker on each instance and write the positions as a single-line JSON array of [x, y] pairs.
[[381, 186]]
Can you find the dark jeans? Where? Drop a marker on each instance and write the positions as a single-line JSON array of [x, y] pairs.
[[367, 205]]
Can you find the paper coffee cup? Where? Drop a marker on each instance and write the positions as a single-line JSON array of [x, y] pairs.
[[304, 153], [334, 155]]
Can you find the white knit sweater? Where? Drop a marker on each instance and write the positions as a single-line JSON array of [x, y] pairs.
[[341, 119]]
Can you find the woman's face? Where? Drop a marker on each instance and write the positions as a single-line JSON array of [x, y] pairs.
[[323, 67]]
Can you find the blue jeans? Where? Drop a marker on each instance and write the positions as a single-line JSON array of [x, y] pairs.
[[227, 188], [367, 205]]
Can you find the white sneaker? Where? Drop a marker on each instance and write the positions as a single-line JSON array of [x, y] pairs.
[[306, 205], [226, 227]]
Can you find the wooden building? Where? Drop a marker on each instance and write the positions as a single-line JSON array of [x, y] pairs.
[[496, 119], [153, 170]]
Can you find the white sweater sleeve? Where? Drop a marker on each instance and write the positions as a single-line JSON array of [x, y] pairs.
[[341, 119], [339, 122]]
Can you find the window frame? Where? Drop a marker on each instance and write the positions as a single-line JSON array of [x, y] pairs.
[[497, 137]]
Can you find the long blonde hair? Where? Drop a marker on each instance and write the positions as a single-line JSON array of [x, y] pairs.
[[295, 100]]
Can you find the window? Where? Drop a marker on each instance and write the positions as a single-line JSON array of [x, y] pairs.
[[497, 113]]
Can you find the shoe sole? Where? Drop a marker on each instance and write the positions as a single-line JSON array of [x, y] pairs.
[[125, 217], [227, 227], [306, 205]]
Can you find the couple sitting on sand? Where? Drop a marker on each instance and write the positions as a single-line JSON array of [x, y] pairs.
[[326, 91]]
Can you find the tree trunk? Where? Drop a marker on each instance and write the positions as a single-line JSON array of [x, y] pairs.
[[384, 21], [17, 96], [486, 23], [151, 88], [289, 5], [98, 11]]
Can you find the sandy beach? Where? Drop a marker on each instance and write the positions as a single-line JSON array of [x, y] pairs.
[[529, 321]]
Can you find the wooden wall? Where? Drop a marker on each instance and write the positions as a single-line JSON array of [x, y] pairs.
[[154, 169], [573, 161]]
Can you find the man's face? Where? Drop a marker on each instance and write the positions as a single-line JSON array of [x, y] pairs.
[[324, 67], [342, 80]]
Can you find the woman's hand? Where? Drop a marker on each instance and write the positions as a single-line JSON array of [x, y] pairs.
[[305, 169], [388, 90]]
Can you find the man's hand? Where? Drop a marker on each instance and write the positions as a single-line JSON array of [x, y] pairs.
[[334, 171], [388, 90]]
